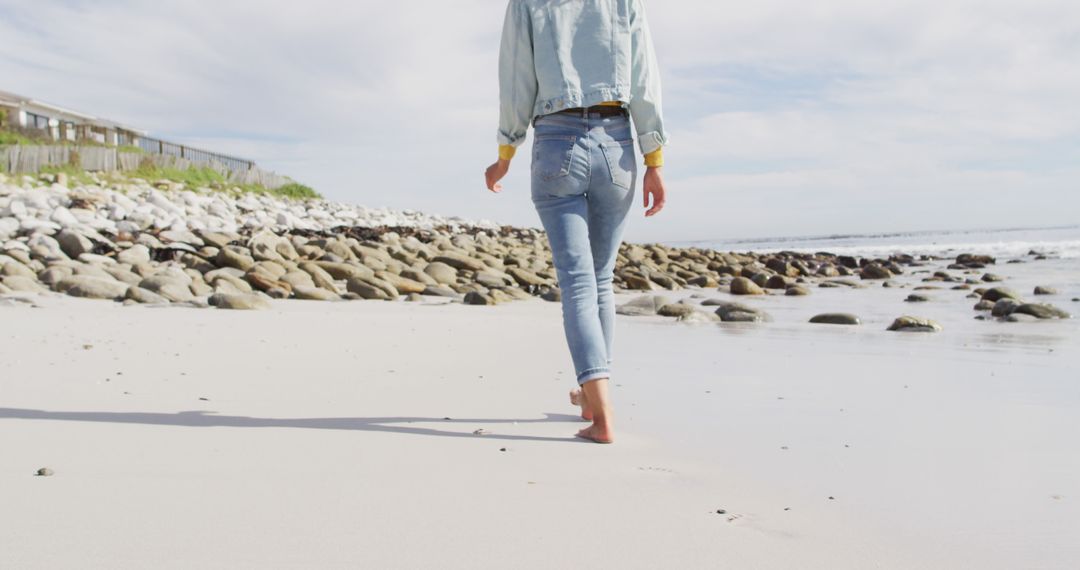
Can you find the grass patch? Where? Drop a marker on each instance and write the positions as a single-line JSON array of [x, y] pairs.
[[297, 191], [205, 177], [74, 173], [194, 177], [10, 138]]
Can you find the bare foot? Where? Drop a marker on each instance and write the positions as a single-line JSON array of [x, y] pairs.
[[596, 433], [577, 398]]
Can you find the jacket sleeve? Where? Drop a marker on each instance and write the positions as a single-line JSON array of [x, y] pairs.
[[517, 76], [645, 107]]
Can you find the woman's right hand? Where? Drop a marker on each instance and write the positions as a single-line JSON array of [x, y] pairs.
[[495, 173], [654, 188]]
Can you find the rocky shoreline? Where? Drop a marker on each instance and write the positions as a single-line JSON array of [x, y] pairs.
[[162, 243]]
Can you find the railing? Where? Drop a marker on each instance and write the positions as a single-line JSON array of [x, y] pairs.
[[157, 146]]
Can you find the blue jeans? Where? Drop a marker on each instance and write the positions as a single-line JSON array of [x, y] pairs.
[[584, 172]]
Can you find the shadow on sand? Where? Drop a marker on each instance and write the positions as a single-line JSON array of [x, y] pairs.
[[200, 418]]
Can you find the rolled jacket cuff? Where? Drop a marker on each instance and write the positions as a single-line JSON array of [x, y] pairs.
[[508, 139], [651, 141]]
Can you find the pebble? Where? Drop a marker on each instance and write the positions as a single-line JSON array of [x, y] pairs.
[[44, 472]]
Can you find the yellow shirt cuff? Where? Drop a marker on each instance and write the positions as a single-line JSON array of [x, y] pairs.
[[506, 152], [655, 158]]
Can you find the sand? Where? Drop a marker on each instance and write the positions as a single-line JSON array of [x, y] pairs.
[[341, 435]]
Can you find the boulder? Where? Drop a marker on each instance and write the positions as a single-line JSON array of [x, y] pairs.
[[836, 319], [239, 301], [134, 255], [144, 296], [402, 285], [914, 324], [93, 287], [20, 284], [738, 313], [74, 244], [675, 310], [1003, 307], [366, 290], [314, 294], [998, 293], [875, 271], [1041, 311], [234, 256], [796, 291], [643, 305], [442, 273], [172, 286], [477, 298], [744, 286], [459, 261]]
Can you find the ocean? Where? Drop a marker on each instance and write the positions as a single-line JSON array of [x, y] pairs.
[[1059, 242]]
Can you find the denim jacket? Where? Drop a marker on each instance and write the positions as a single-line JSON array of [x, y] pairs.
[[559, 54]]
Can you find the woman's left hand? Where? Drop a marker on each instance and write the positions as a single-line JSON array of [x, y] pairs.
[[495, 173]]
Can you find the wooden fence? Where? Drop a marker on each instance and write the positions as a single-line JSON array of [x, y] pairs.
[[18, 159]]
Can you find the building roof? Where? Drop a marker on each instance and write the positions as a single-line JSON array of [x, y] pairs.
[[13, 100]]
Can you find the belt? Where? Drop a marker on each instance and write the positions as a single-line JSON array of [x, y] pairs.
[[602, 110]]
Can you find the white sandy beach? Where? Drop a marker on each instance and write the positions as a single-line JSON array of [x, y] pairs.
[[340, 435]]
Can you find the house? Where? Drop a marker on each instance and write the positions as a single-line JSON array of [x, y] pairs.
[[41, 120], [60, 124]]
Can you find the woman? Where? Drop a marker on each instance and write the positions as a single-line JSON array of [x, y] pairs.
[[579, 70]]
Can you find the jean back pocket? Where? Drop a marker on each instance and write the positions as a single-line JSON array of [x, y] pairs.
[[552, 155], [621, 162]]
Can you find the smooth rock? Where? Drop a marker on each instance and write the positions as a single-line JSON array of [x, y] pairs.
[[997, 293], [737, 312], [459, 261], [1004, 307], [20, 284], [134, 255], [92, 287], [313, 294], [144, 296], [74, 244], [796, 291], [916, 298], [441, 272], [239, 301], [1041, 311], [675, 310], [836, 319], [914, 324], [744, 286], [875, 271], [477, 298], [1042, 290], [366, 290]]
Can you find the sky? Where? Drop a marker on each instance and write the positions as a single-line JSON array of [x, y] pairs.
[[786, 118]]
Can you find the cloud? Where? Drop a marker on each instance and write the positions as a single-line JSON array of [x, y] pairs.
[[786, 118]]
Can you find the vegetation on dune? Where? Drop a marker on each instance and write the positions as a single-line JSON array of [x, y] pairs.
[[193, 177]]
